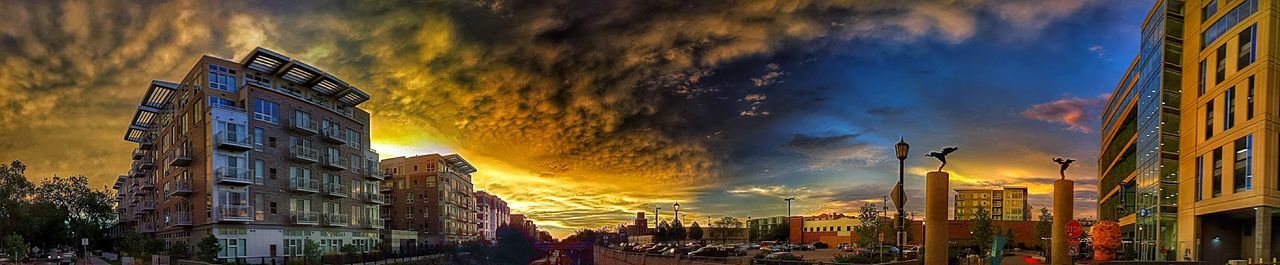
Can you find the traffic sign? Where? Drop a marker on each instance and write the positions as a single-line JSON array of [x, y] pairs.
[[1074, 229]]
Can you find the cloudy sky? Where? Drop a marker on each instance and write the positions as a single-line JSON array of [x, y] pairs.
[[580, 113]]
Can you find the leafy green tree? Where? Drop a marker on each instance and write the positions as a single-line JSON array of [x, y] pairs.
[[207, 249], [141, 246], [311, 250], [725, 227], [179, 249], [1044, 227], [58, 212], [15, 247], [514, 246], [983, 230], [677, 231], [695, 232], [349, 249], [14, 189], [868, 228]]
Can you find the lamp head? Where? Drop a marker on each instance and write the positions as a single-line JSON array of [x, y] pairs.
[[901, 149]]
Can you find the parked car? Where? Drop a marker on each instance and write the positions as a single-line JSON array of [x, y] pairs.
[[674, 251], [784, 256], [709, 252], [820, 245]]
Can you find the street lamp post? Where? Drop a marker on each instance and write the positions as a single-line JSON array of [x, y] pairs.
[[677, 208], [901, 150]]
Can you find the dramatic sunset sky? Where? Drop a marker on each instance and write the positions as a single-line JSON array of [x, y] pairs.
[[580, 113]]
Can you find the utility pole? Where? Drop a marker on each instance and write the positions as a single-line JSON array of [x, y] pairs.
[[789, 205]]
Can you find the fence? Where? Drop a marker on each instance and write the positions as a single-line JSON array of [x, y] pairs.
[[353, 258], [605, 256]]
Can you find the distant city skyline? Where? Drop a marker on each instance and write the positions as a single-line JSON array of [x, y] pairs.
[[580, 119]]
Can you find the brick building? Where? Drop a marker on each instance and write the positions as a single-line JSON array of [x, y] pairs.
[[433, 195]]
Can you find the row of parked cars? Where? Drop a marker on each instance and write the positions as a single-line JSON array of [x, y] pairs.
[[693, 249], [51, 256]]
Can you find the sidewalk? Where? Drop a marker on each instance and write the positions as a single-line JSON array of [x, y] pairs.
[[94, 260]]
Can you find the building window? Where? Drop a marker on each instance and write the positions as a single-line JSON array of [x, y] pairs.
[[1199, 178], [221, 102], [221, 78], [1217, 172], [1204, 66], [273, 207], [1230, 120], [1208, 10], [1248, 113], [232, 248], [259, 170], [353, 138], [1208, 120], [1243, 175], [258, 136], [1248, 47], [1220, 73], [265, 110]]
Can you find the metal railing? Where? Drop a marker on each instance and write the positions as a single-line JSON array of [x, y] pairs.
[[182, 219], [304, 153], [335, 161], [236, 139], [304, 125], [304, 184], [236, 175], [336, 189], [180, 156], [335, 133], [337, 219], [373, 197], [238, 213], [305, 217]]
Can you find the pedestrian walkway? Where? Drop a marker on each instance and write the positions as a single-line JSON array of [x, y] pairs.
[[93, 260]]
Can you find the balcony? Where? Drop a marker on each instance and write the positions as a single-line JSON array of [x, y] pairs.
[[234, 213], [304, 185], [139, 153], [147, 184], [336, 189], [178, 187], [387, 187], [304, 154], [232, 175], [147, 206], [369, 222], [373, 198], [147, 162], [335, 162], [375, 174], [137, 173], [147, 143], [306, 126], [181, 219], [335, 134], [146, 228], [304, 218], [232, 140], [180, 156], [336, 219]]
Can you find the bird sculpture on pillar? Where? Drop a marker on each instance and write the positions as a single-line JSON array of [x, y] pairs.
[[1063, 164], [942, 155]]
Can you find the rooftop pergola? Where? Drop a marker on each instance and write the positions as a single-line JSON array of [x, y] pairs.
[[267, 61], [149, 111]]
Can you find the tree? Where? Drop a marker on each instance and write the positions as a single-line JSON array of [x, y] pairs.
[[56, 213], [349, 249], [14, 189], [661, 234], [141, 246], [207, 249], [677, 231], [15, 247], [310, 250], [514, 246], [868, 228], [1044, 227], [179, 249], [982, 229], [725, 227], [695, 232], [544, 236]]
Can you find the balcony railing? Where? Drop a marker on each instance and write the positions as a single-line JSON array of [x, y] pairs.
[[387, 187], [303, 153], [304, 125], [335, 134], [147, 205], [139, 153], [336, 219], [232, 175], [137, 173], [146, 184], [304, 184], [336, 189], [147, 142], [305, 217], [179, 187], [234, 140], [235, 213], [335, 161], [180, 156], [375, 173], [368, 222], [146, 228], [182, 219], [373, 197]]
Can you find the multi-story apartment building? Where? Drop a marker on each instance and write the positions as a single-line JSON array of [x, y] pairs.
[[522, 221], [433, 195], [263, 154], [1138, 178], [1230, 127], [1118, 159], [1007, 204], [491, 212], [761, 226]]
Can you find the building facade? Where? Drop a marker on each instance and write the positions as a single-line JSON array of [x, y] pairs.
[[491, 212], [1009, 203], [432, 194], [264, 154], [762, 226], [524, 223], [1118, 159], [1230, 126], [830, 228]]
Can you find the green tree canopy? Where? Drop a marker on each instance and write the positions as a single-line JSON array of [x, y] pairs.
[[695, 231]]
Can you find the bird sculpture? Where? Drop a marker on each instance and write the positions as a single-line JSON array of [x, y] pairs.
[[1064, 163], [942, 155]]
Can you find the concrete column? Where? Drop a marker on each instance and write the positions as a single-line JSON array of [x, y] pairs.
[[1262, 233], [1063, 194], [935, 217]]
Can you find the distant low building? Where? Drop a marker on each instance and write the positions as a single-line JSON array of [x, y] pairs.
[[1009, 204]]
